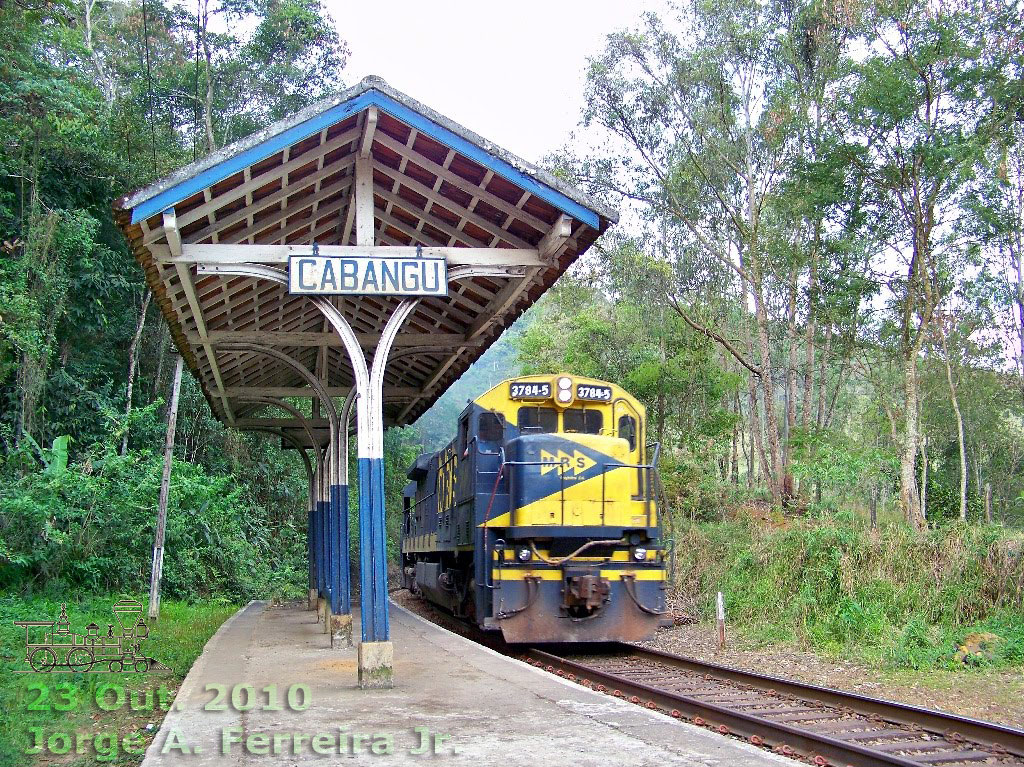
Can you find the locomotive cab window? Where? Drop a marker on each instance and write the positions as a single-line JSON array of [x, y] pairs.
[[582, 421], [463, 442], [627, 430], [542, 419], [492, 427]]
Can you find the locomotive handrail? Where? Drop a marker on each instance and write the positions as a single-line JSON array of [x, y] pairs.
[[657, 451], [487, 518]]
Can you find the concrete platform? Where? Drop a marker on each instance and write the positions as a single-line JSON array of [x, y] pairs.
[[453, 701]]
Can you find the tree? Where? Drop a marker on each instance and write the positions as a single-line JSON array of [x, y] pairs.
[[919, 123], [708, 117]]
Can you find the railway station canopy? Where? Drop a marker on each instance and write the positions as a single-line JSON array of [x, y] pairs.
[[428, 181]]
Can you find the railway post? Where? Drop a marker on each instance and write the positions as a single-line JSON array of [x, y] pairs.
[[720, 616], [341, 608]]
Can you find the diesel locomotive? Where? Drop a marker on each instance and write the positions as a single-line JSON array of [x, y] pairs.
[[540, 518]]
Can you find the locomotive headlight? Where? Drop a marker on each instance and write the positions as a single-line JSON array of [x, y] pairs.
[[565, 383], [564, 395], [639, 553], [523, 553]]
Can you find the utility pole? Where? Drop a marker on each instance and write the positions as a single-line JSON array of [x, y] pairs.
[[165, 487]]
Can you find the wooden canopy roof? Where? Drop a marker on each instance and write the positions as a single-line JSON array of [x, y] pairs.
[[434, 184]]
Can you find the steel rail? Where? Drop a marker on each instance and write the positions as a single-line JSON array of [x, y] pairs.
[[938, 722], [958, 738]]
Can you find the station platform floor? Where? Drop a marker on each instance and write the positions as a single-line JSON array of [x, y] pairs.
[[454, 702]]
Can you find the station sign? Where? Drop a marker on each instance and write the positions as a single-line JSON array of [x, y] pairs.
[[367, 276]]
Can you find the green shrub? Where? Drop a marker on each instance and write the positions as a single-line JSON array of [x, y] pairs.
[[895, 596], [89, 528]]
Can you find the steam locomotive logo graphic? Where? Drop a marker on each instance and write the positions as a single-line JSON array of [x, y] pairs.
[[51, 646]]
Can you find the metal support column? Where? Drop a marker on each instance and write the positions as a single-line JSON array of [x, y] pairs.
[[341, 492]]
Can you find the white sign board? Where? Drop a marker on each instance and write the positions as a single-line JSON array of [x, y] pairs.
[[367, 276]]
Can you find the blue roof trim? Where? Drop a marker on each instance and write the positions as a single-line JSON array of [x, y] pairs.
[[275, 144], [482, 157], [233, 165]]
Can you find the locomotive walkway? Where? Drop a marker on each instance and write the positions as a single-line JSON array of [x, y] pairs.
[[469, 705]]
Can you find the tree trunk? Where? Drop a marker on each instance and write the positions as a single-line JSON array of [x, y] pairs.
[[161, 349], [1018, 296], [809, 340], [924, 476], [909, 497], [823, 379], [756, 434], [211, 142], [961, 439], [736, 430], [791, 337], [106, 85], [771, 424], [133, 355]]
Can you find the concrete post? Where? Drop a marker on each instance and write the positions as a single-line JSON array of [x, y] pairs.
[[165, 490]]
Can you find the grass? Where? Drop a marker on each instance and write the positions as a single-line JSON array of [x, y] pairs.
[[176, 641], [895, 598]]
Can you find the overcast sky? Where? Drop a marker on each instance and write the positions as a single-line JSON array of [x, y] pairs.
[[511, 71]]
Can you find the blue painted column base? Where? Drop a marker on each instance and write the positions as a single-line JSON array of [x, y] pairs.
[[373, 567], [321, 575], [310, 548], [341, 592]]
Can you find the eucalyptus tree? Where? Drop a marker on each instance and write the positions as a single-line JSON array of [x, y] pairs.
[[705, 115], [919, 122]]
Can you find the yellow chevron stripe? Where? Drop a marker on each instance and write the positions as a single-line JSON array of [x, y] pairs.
[[515, 574]]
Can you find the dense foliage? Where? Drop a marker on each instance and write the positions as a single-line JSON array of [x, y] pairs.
[[818, 291], [96, 99], [899, 598]]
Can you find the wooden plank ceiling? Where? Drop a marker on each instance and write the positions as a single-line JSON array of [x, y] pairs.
[[435, 184]]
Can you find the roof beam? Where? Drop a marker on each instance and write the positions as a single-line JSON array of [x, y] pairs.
[[279, 254], [364, 201], [328, 339], [257, 182], [281, 423], [556, 237], [455, 179], [185, 278], [369, 128], [504, 298], [434, 197], [390, 393]]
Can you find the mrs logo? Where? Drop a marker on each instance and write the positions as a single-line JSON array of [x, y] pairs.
[[51, 646]]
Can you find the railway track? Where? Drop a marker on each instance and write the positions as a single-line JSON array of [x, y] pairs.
[[818, 724]]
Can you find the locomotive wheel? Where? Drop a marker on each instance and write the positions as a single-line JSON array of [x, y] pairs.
[[142, 665], [43, 659], [80, 659], [116, 666]]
